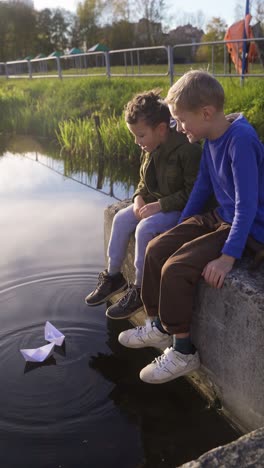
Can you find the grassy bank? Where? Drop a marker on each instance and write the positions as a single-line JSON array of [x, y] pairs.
[[64, 110]]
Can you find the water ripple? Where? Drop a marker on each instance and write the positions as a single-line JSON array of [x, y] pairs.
[[64, 391]]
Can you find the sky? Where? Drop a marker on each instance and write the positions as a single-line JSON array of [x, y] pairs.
[[223, 8]]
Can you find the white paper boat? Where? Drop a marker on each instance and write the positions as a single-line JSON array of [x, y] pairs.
[[38, 354], [53, 335]]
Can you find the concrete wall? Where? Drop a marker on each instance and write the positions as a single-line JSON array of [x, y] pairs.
[[228, 330], [247, 451]]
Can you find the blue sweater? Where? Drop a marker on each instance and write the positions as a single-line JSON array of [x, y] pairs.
[[232, 167]]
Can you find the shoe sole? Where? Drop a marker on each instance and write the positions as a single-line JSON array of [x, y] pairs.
[[146, 345], [169, 379], [124, 316], [108, 297]]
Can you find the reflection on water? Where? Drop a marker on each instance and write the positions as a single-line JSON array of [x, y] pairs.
[[85, 406], [114, 178]]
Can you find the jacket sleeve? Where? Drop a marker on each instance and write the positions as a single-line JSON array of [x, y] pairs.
[[190, 156], [141, 187]]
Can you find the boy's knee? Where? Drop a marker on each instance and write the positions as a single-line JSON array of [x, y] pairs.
[[169, 268], [152, 247], [119, 217], [143, 228], [139, 227]]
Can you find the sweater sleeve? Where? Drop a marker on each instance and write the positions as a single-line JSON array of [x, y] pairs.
[[245, 178], [200, 194], [190, 161]]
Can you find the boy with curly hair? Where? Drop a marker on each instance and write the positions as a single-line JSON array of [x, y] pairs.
[[169, 166]]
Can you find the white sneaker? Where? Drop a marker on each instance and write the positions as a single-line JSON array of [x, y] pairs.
[[170, 365], [142, 337]]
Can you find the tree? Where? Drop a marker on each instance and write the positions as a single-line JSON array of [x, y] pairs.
[[17, 31], [43, 31], [59, 29], [75, 35], [89, 14], [54, 29], [119, 35], [151, 19], [258, 11], [215, 31], [116, 10], [4, 21], [256, 8], [152, 10]]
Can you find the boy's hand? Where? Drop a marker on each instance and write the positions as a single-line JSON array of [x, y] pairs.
[[149, 209], [138, 203], [215, 272]]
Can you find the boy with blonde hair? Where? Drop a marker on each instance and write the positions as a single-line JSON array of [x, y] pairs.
[[201, 245]]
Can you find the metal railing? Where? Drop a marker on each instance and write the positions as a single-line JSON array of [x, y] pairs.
[[155, 61], [132, 62], [217, 44], [86, 64]]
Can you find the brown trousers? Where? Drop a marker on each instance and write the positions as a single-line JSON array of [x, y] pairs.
[[173, 265]]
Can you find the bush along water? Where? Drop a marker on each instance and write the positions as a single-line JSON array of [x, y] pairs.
[[64, 110]]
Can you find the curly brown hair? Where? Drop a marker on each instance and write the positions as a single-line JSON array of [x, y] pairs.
[[147, 106]]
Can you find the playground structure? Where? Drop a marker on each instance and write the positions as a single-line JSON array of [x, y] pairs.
[[241, 55]]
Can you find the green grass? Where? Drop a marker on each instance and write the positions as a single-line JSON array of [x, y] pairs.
[[63, 110]]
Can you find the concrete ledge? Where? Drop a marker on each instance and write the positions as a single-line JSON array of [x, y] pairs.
[[227, 329], [247, 451]]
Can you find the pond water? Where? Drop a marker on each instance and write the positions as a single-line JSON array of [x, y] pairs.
[[85, 407]]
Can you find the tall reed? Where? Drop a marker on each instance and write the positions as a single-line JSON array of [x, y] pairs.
[[79, 136]]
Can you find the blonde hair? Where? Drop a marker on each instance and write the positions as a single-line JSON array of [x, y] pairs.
[[196, 89]]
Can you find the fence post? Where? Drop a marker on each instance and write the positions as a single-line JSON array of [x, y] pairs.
[[138, 61], [59, 67], [107, 63], [29, 69], [6, 70], [225, 59], [213, 61], [170, 63]]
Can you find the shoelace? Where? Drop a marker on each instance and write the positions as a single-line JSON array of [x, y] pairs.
[[144, 328], [162, 360], [129, 295], [102, 278]]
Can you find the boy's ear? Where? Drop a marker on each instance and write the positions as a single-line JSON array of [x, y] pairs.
[[163, 128], [208, 112]]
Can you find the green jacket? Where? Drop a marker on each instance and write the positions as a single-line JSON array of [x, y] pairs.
[[169, 172]]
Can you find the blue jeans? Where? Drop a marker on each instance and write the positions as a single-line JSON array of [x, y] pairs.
[[124, 224]]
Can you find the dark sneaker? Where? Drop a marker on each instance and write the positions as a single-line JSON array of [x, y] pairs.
[[106, 287], [127, 306]]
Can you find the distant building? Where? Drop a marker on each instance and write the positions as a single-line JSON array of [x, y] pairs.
[[148, 32], [28, 3], [186, 34]]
